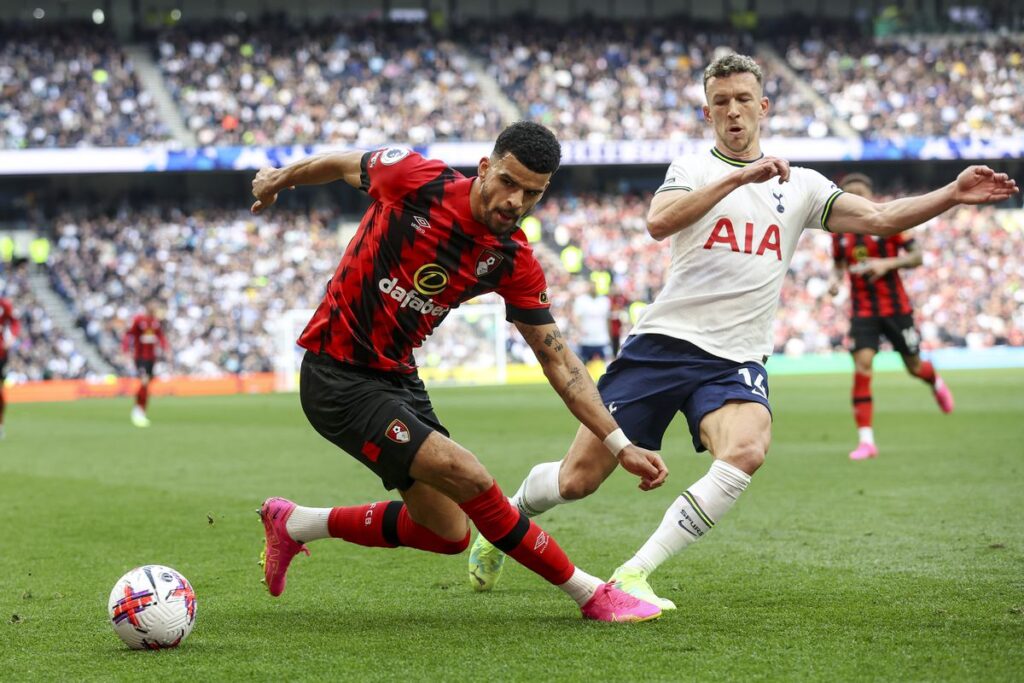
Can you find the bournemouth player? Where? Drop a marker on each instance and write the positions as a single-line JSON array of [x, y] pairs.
[[879, 307], [733, 217], [10, 328], [431, 240], [141, 338]]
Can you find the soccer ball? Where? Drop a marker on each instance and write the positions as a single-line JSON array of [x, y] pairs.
[[152, 607]]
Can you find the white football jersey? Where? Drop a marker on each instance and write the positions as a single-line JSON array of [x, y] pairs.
[[727, 268]]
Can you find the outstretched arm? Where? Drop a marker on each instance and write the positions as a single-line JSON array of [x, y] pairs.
[[974, 185], [314, 170], [675, 210], [570, 379], [874, 268]]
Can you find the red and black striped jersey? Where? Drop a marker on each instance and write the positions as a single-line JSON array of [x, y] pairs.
[[886, 295], [418, 253], [143, 336], [7, 321]]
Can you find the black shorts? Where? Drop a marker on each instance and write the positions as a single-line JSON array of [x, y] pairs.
[[898, 329], [379, 418], [144, 368]]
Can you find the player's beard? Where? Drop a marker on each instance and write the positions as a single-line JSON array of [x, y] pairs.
[[491, 216]]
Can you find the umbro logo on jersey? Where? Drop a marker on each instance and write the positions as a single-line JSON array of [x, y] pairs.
[[398, 432], [488, 261], [420, 224]]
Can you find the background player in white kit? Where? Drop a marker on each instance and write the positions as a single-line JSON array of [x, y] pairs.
[[590, 319], [734, 216]]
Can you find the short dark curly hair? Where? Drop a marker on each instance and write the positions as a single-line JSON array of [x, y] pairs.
[[532, 144]]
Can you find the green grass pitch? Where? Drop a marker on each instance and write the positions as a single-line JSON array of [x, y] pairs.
[[908, 567]]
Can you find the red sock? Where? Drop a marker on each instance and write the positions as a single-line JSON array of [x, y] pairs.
[[388, 525], [142, 397], [926, 372], [862, 402], [516, 534], [3, 403]]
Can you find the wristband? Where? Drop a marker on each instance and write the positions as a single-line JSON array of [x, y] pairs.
[[617, 441]]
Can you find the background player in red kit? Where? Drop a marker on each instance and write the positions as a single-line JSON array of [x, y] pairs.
[[879, 307], [8, 324], [431, 240], [141, 338]]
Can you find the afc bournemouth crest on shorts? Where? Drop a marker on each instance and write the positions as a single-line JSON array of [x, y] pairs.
[[489, 260], [398, 432]]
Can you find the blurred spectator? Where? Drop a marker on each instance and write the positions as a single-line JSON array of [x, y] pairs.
[[363, 83], [596, 80], [224, 279], [40, 352], [940, 87], [69, 85]]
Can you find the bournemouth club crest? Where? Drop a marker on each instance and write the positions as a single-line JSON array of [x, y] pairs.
[[398, 432], [489, 260]]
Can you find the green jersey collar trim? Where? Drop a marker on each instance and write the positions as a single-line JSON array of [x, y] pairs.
[[733, 162]]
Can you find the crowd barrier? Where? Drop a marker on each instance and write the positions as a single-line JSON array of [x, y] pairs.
[[267, 382], [72, 390]]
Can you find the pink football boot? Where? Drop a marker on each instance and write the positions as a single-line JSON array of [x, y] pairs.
[[279, 548], [943, 396], [864, 451], [611, 604]]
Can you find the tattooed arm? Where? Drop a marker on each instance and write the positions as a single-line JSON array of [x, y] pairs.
[[568, 376]]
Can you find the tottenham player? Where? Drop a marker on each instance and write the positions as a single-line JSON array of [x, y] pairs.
[[431, 240], [141, 338], [879, 306], [733, 216]]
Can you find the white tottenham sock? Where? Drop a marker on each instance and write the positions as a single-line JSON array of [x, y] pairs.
[[866, 435], [308, 524], [692, 515], [539, 491], [581, 586]]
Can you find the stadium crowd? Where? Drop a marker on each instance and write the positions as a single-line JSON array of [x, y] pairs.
[[941, 87], [70, 85], [220, 278], [224, 279], [367, 83], [362, 83], [600, 80], [40, 351]]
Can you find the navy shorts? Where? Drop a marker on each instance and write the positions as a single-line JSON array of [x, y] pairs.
[[379, 418], [656, 376], [589, 352]]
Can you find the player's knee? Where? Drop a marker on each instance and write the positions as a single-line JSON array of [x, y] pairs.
[[471, 478], [747, 456], [578, 483]]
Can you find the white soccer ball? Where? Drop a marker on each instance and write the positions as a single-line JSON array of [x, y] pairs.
[[152, 607]]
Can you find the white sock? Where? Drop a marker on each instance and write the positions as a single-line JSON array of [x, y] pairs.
[[581, 586], [692, 515], [308, 524], [866, 435], [539, 491]]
